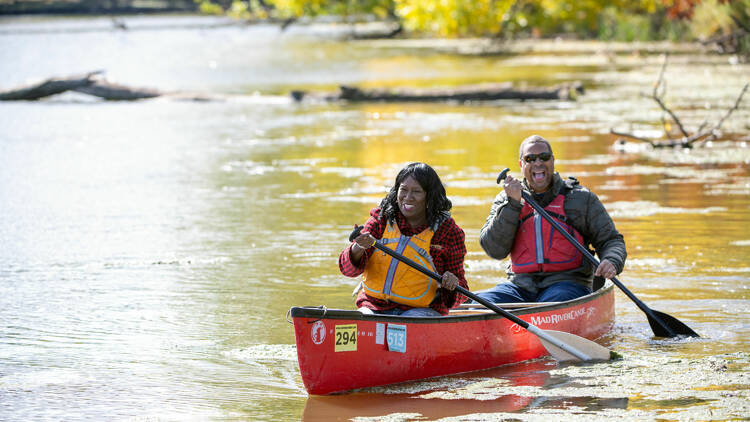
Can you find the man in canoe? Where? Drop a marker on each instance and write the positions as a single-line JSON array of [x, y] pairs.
[[545, 266], [414, 220]]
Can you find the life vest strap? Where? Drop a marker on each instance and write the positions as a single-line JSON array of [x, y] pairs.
[[557, 216]]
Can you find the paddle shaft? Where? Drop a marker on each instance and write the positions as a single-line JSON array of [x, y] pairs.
[[459, 289], [544, 336], [541, 211], [531, 328]]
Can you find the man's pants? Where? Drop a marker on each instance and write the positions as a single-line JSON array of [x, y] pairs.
[[510, 293]]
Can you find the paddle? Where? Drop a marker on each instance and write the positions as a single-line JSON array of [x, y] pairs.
[[561, 345], [663, 325]]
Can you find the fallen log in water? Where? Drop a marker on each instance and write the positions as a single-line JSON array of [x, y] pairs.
[[484, 92], [92, 83], [51, 86], [115, 92], [95, 84]]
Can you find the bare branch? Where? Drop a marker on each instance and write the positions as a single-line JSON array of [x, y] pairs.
[[734, 107], [667, 129], [700, 135], [658, 98], [660, 80], [630, 135]]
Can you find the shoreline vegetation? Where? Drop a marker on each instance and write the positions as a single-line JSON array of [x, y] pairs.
[[721, 25], [387, 32]]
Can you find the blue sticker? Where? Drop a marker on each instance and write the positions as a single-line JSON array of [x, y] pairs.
[[396, 336]]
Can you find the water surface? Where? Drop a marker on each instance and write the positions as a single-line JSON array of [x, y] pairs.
[[152, 249]]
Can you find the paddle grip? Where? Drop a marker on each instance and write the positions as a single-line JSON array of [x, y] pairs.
[[357, 230], [501, 176]]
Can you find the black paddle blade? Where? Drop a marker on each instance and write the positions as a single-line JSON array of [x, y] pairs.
[[673, 323]]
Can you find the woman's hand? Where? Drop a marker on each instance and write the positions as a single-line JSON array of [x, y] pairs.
[[450, 281], [364, 241], [361, 243]]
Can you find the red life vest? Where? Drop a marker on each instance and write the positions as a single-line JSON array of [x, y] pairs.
[[538, 247]]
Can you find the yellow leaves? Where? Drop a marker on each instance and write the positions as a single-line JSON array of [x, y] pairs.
[[208, 8], [239, 10], [623, 19], [453, 18]]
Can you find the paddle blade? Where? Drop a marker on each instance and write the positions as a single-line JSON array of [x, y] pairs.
[[673, 323], [588, 347]]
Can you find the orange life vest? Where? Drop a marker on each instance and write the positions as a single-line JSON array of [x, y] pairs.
[[390, 279], [538, 247]]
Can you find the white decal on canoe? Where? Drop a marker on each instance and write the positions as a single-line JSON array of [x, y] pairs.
[[555, 318], [318, 332], [379, 333]]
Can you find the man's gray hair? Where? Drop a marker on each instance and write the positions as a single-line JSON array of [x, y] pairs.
[[533, 139]]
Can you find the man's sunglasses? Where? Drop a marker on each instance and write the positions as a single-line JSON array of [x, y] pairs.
[[530, 158]]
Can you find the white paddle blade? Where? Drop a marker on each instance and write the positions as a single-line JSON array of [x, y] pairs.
[[593, 351]]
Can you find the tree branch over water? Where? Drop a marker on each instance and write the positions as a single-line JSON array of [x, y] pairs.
[[687, 140]]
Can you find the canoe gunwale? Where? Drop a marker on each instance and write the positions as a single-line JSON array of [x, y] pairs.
[[325, 313]]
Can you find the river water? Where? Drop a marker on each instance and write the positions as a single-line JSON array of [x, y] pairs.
[[151, 250]]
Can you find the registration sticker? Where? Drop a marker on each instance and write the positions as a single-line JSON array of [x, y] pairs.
[[396, 336], [346, 338]]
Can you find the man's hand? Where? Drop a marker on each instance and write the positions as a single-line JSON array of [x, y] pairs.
[[512, 187], [606, 269]]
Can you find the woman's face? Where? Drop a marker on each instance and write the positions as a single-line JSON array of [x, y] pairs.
[[412, 201]]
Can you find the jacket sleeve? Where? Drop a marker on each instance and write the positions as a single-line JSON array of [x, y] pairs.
[[375, 228], [601, 233], [452, 252], [499, 230]]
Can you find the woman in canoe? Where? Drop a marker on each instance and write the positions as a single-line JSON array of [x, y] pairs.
[[414, 220]]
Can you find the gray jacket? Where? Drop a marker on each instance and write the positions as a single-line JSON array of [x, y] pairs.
[[584, 212]]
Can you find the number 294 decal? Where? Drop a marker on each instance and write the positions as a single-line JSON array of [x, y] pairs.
[[346, 338]]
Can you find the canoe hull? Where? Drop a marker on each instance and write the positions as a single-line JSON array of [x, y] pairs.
[[343, 350]]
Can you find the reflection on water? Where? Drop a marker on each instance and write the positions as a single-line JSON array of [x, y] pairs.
[[486, 395], [151, 249]]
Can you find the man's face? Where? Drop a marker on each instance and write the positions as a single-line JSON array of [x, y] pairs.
[[538, 173]]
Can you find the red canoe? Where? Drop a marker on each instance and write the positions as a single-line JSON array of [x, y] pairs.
[[342, 350]]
